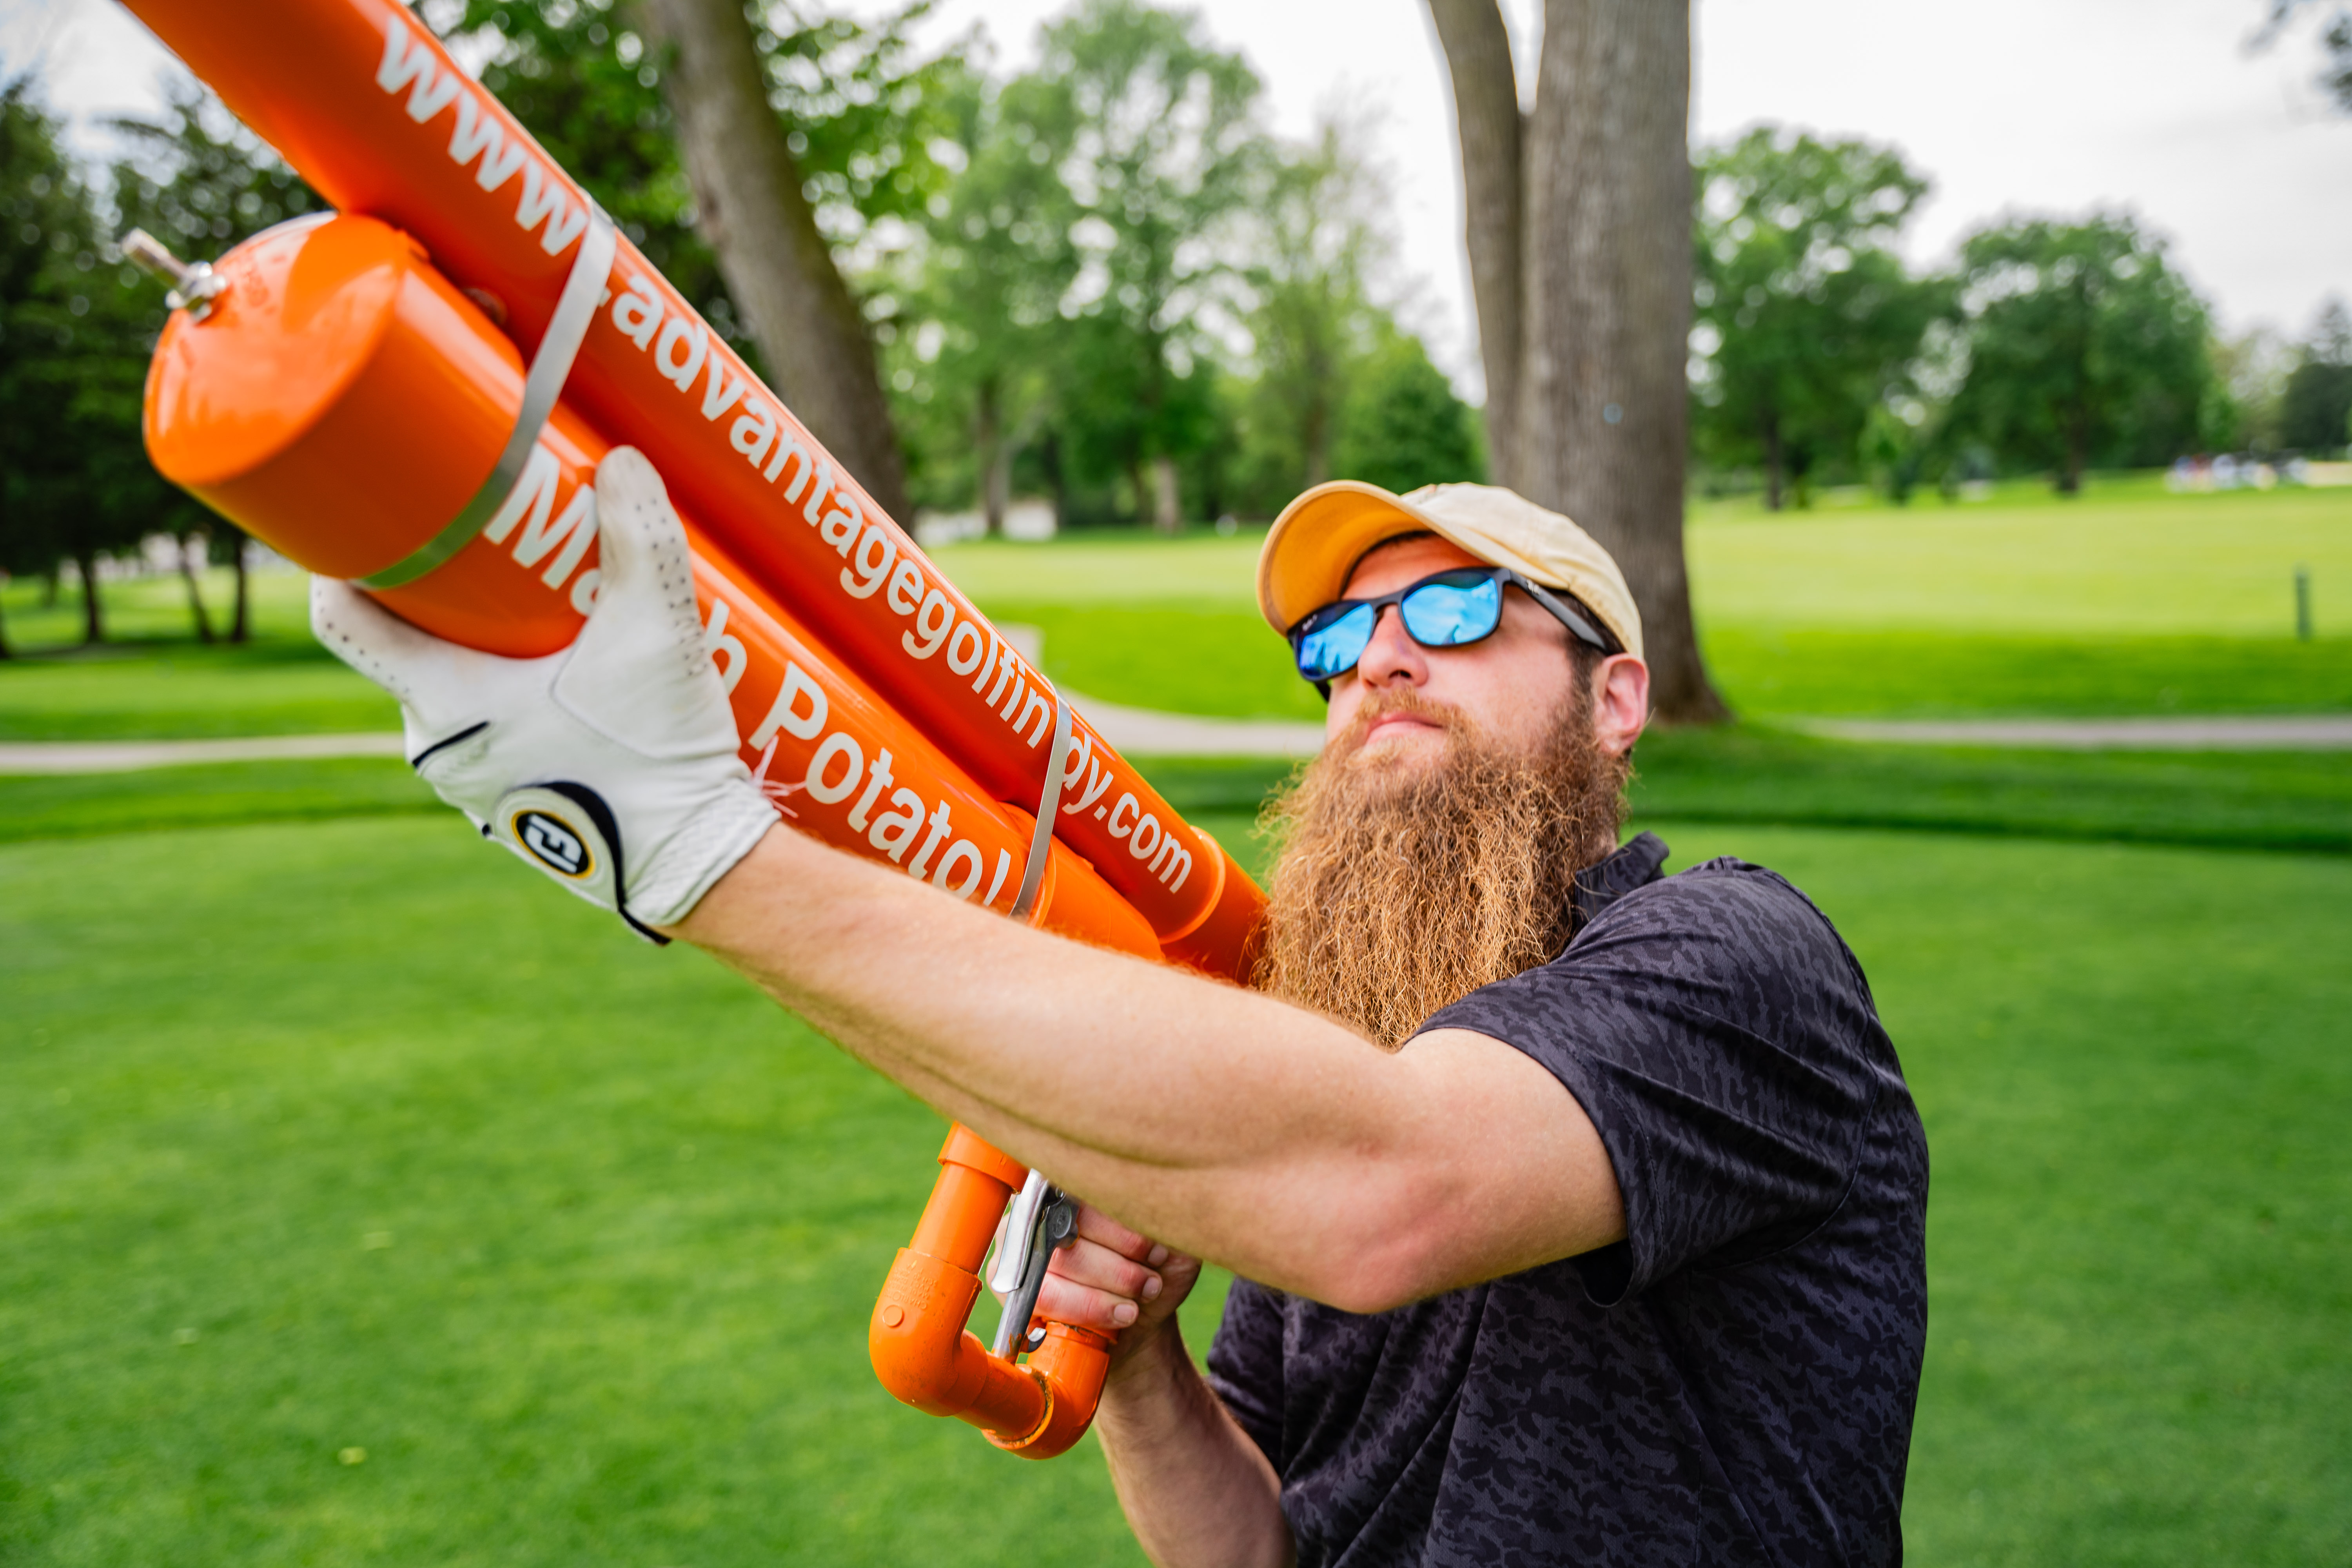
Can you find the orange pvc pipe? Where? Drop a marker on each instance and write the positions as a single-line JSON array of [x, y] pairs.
[[925, 1355], [370, 110]]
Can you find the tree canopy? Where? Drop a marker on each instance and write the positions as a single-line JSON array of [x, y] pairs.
[[2084, 346], [1807, 321]]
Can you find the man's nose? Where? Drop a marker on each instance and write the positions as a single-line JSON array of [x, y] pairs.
[[1391, 658]]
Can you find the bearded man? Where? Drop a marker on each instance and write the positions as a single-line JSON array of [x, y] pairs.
[[1577, 1211]]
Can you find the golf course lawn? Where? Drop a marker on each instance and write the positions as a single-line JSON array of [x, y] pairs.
[[347, 1136], [363, 1201], [2129, 600]]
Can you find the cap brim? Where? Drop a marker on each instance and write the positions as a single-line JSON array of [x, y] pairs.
[[1313, 546]]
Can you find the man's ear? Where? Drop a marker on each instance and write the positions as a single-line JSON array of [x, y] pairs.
[[1620, 702]]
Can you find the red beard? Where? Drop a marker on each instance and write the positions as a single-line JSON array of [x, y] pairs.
[[1403, 884]]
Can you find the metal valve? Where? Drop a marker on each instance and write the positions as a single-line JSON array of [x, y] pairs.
[[194, 284]]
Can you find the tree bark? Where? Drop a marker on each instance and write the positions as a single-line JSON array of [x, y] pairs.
[[1478, 46], [752, 207], [1167, 496], [93, 619], [195, 592], [995, 454], [1318, 422], [1605, 298]]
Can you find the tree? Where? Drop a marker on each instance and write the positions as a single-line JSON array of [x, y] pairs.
[[741, 154], [202, 182], [750, 192], [2316, 406], [1807, 323], [2084, 346], [2335, 39], [75, 484], [1152, 132], [1577, 223], [2254, 368], [1310, 319], [973, 340], [1401, 426]]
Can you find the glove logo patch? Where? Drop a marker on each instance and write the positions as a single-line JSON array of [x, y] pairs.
[[553, 845]]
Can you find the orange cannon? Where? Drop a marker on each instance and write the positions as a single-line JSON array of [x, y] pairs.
[[414, 394]]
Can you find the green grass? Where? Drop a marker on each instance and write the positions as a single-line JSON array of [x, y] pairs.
[[1937, 674], [278, 687], [219, 795], [2257, 799], [2135, 563], [577, 1240], [2127, 601], [153, 609]]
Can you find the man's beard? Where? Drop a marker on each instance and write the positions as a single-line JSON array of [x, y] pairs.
[[1405, 883]]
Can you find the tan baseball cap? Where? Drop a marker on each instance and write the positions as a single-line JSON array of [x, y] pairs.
[[1315, 544]]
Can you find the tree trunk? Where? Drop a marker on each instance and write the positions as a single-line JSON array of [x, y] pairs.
[[195, 592], [240, 625], [748, 195], [93, 619], [996, 453], [1771, 462], [1477, 48], [1167, 496], [1606, 300], [4, 638], [1318, 423], [2078, 443]]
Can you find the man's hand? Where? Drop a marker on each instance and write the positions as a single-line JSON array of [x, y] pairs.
[[1116, 1281], [611, 766]]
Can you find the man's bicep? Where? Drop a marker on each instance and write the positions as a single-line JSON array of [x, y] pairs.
[[1513, 1173]]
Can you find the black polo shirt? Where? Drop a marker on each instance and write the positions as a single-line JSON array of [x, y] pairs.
[[1731, 1383]]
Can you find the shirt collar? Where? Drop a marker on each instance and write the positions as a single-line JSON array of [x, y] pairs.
[[1635, 864]]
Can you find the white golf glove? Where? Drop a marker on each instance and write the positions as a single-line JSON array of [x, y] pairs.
[[611, 766]]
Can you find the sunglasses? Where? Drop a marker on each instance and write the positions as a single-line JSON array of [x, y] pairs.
[[1445, 609]]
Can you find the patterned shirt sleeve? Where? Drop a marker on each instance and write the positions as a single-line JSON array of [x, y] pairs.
[[1722, 1039], [1245, 1365]]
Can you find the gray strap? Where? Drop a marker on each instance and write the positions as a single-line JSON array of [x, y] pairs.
[[583, 290], [1041, 838]]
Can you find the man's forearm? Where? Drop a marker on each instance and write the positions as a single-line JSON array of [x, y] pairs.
[[1196, 1489], [1224, 1123], [1132, 1083]]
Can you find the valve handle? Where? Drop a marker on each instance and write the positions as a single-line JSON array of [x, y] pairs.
[[921, 1350]]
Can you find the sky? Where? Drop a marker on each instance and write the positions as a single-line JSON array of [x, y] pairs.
[[2155, 106]]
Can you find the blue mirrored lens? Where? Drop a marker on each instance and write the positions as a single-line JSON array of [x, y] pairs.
[[1447, 615], [1331, 651]]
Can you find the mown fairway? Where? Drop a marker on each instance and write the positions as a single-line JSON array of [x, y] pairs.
[[323, 1128], [351, 1136]]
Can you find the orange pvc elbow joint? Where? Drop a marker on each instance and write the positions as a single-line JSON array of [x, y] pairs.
[[926, 1358]]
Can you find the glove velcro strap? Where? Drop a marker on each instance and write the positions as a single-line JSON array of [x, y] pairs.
[[566, 830]]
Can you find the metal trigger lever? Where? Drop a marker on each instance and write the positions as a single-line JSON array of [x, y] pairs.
[[1041, 1219]]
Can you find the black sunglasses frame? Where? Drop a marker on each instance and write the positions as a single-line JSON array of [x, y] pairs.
[[1579, 628]]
